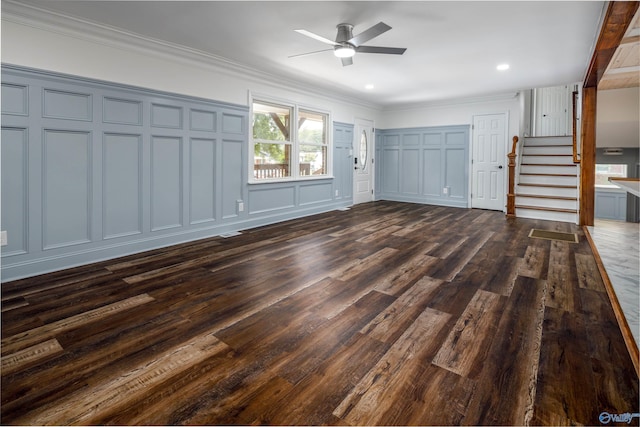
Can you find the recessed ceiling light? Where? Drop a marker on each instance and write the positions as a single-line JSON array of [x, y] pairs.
[[502, 67], [369, 86]]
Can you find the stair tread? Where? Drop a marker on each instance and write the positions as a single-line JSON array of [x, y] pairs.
[[539, 208], [541, 196], [547, 185], [546, 164], [549, 145], [550, 174], [547, 155]]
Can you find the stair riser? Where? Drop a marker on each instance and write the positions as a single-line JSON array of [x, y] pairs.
[[549, 216], [546, 191], [542, 179], [554, 160], [547, 203], [549, 140], [560, 149], [563, 170]]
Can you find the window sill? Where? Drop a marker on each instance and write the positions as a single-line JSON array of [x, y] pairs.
[[282, 180]]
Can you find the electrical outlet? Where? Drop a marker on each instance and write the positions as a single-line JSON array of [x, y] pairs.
[[240, 206], [3, 238], [336, 193], [445, 190]]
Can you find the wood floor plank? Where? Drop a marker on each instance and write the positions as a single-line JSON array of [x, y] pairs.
[[564, 360], [387, 313], [85, 408], [588, 274], [394, 320], [29, 355], [32, 336], [468, 342], [506, 386], [398, 366]]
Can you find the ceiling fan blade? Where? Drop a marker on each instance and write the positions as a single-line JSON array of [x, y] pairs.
[[316, 37], [310, 53], [367, 35], [347, 61], [380, 49]]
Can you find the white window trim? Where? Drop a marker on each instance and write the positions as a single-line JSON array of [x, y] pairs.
[[295, 144]]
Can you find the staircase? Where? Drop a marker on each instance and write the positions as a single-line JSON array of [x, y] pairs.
[[547, 183]]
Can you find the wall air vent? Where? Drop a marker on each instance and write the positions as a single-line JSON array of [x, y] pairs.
[[612, 152]]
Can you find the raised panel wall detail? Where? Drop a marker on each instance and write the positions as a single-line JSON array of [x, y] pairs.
[[343, 161], [202, 120], [232, 177], [315, 193], [14, 189], [456, 179], [232, 123], [271, 199], [66, 195], [114, 169], [202, 180], [122, 185], [391, 167], [432, 185], [411, 171], [611, 205], [15, 99], [67, 105], [122, 111], [166, 116], [427, 165], [166, 182]]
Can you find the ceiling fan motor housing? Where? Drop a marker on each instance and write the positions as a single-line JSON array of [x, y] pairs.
[[345, 33]]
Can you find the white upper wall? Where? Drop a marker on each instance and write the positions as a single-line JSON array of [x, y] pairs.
[[65, 53], [458, 112], [90, 54], [618, 118]]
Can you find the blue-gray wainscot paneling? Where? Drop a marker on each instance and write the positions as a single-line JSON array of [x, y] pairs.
[[417, 164], [94, 170], [611, 204]]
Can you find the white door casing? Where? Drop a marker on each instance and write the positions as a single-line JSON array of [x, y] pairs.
[[489, 161], [363, 149]]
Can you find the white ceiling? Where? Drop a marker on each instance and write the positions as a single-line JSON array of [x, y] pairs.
[[453, 47]]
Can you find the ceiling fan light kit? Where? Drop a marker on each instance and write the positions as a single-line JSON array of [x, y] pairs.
[[344, 51], [346, 44]]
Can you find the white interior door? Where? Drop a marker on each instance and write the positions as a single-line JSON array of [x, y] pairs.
[[363, 149], [489, 162], [552, 111]]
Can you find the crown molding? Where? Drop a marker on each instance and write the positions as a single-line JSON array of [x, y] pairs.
[[54, 22]]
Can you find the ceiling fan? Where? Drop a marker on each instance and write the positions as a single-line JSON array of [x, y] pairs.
[[346, 44]]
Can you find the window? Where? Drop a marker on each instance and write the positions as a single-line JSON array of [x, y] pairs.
[[285, 152], [604, 172]]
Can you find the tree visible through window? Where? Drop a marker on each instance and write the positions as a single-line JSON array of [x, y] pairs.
[[275, 146]]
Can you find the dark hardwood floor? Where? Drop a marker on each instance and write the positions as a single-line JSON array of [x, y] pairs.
[[386, 314]]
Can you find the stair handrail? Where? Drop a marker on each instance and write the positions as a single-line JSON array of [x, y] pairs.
[[576, 129], [511, 196]]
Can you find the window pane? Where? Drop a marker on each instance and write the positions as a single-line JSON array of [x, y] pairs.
[[271, 122], [363, 151], [271, 161], [313, 160], [312, 127], [603, 172]]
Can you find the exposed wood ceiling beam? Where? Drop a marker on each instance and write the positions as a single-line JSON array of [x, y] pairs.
[[616, 21]]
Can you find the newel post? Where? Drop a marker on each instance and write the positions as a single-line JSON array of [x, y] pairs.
[[511, 196]]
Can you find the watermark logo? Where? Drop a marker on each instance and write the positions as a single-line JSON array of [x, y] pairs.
[[627, 417]]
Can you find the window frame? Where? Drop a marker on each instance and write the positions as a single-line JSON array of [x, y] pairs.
[[294, 140]]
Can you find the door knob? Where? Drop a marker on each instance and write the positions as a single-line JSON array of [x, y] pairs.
[[500, 167]]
